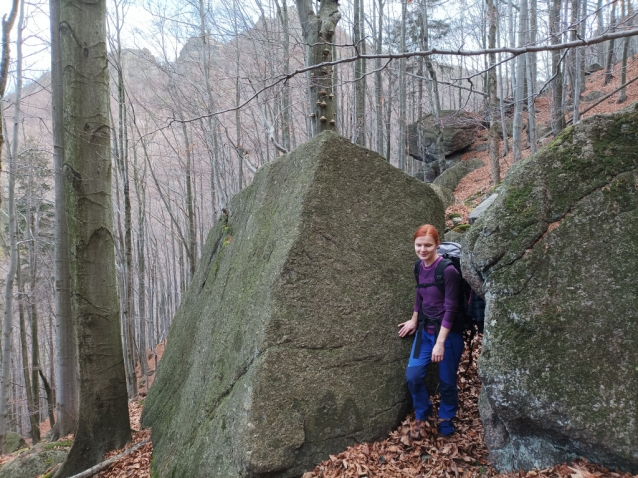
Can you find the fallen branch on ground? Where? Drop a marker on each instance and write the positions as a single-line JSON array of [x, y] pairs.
[[106, 463]]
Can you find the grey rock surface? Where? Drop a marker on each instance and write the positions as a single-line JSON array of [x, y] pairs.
[[445, 195], [558, 251], [459, 132], [479, 210], [450, 178], [32, 463], [285, 347], [14, 442], [594, 95]]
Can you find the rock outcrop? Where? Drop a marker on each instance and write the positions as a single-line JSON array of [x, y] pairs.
[[459, 131], [451, 177], [558, 251], [34, 462], [285, 348]]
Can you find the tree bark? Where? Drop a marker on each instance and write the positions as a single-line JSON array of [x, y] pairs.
[[492, 16], [622, 96], [31, 403], [103, 422], [66, 352], [610, 51], [7, 328], [403, 129], [318, 31], [359, 75], [558, 123], [7, 26], [378, 79]]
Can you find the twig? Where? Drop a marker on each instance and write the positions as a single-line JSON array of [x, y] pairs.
[[105, 464]]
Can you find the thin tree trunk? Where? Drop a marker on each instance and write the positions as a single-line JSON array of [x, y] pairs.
[[558, 122], [7, 26], [622, 96], [493, 144], [610, 51], [359, 75], [35, 343], [402, 90], [519, 96], [378, 79], [103, 422], [7, 328], [66, 352], [31, 403]]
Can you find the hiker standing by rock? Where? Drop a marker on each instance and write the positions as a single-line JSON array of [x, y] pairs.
[[435, 340]]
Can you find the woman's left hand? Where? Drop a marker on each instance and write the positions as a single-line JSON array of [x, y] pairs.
[[437, 352]]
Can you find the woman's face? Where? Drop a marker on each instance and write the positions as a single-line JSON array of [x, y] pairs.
[[425, 248]]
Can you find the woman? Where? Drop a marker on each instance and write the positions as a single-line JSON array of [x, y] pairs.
[[433, 318]]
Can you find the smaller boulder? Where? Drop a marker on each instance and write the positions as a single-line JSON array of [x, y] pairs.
[[592, 68], [458, 129], [594, 95], [481, 208], [445, 195], [34, 462], [450, 178], [15, 442]]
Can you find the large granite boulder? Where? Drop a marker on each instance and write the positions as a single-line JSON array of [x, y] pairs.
[[285, 348], [459, 131], [558, 250]]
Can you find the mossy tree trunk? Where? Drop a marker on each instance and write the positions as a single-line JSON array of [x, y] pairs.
[[103, 422], [318, 34]]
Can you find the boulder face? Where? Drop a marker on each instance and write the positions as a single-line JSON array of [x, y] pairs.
[[459, 131], [558, 250], [285, 347]]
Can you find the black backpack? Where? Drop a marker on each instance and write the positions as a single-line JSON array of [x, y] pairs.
[[470, 314]]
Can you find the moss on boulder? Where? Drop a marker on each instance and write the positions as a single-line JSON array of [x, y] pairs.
[[558, 251], [285, 347]]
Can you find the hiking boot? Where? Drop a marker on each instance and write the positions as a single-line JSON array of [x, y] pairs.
[[446, 428]]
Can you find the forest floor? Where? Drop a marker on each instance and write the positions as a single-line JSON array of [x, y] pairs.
[[462, 455]]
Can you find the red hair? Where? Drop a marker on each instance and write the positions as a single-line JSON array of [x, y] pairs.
[[427, 230]]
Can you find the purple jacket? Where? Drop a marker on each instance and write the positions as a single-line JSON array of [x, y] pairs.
[[431, 303]]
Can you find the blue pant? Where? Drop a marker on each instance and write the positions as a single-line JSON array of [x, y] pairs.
[[448, 368]]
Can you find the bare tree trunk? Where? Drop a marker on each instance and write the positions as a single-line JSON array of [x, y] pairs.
[[517, 139], [359, 75], [35, 343], [318, 33], [103, 422], [7, 328], [558, 122], [66, 352], [433, 87], [31, 403], [7, 26], [140, 192], [403, 130], [610, 51], [622, 95], [378, 79], [493, 145]]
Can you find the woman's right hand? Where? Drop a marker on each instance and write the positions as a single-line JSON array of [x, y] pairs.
[[409, 327]]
